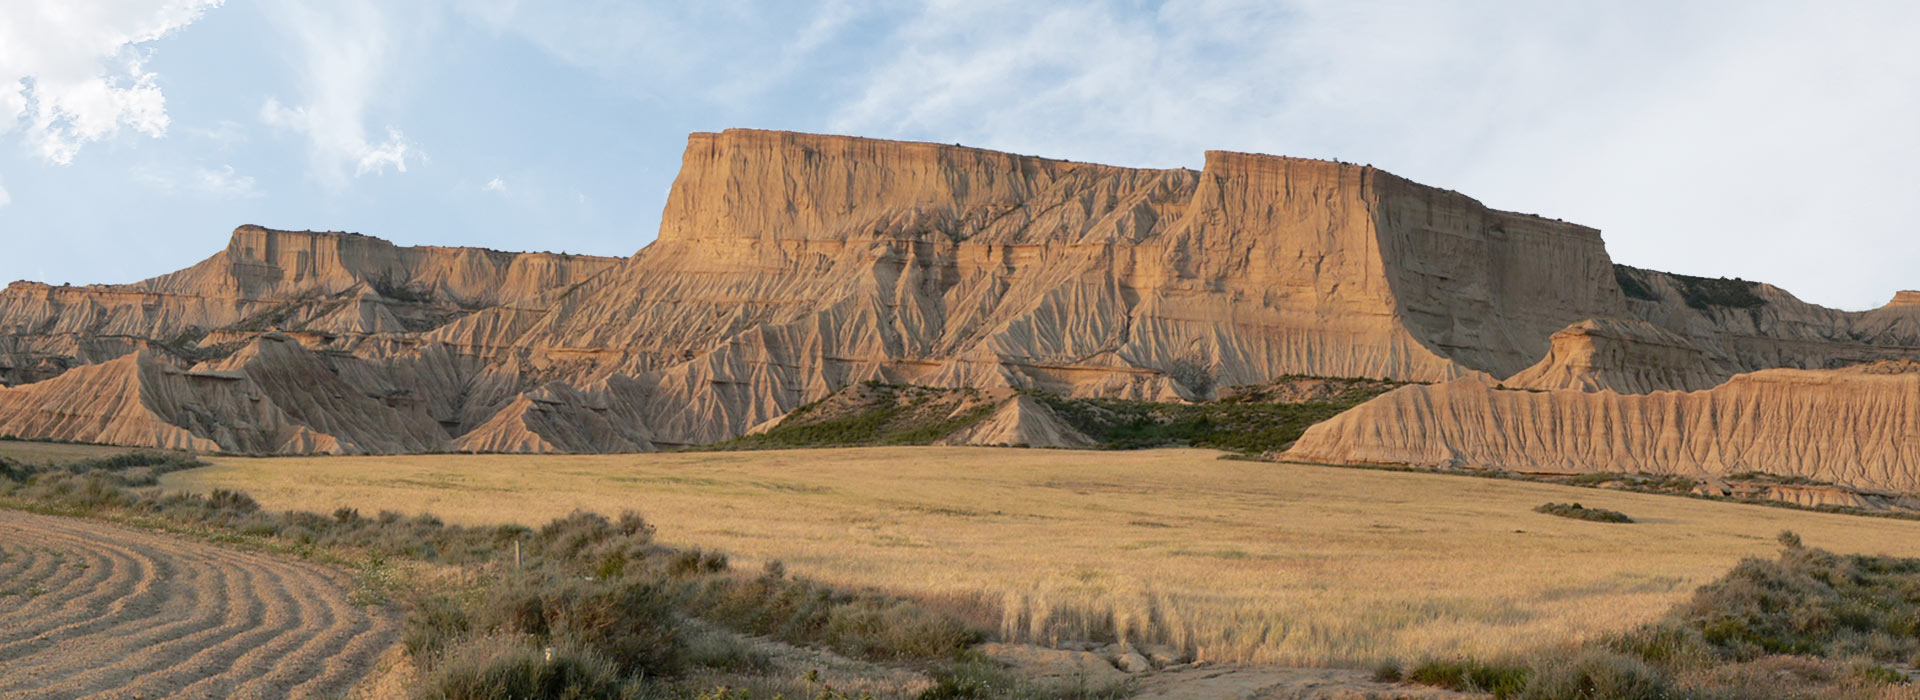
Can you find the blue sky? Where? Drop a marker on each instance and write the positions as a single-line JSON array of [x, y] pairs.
[[1766, 140]]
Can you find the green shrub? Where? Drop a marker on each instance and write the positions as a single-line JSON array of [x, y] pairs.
[[1596, 674], [1580, 512], [1502, 680], [434, 624], [1707, 292], [1631, 286], [502, 669], [1388, 671], [1666, 644], [630, 624]]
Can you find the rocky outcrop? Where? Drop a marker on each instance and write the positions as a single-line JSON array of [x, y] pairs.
[[1746, 326], [1629, 357], [298, 342], [792, 266], [1021, 421], [1857, 427]]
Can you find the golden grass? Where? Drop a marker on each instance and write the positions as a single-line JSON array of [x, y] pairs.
[[1234, 560], [27, 451]]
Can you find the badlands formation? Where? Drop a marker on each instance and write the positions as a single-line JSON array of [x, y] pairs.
[[791, 266]]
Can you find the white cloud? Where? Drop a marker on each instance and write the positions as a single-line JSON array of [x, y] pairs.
[[224, 183], [5, 199], [345, 50], [1701, 141], [495, 185], [73, 72], [214, 183], [724, 51], [224, 136]]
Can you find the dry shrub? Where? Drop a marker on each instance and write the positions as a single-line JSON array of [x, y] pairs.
[[500, 668]]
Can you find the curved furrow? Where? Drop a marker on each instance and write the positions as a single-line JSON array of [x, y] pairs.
[[248, 675], [341, 670], [15, 557], [344, 623], [27, 591], [145, 673], [176, 618], [80, 579], [94, 577], [274, 614], [138, 603], [194, 617], [34, 564]]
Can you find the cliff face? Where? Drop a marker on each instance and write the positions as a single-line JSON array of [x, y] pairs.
[[789, 266], [335, 283], [1857, 427], [1749, 326]]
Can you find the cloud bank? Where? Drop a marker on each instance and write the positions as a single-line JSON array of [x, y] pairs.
[[1701, 138], [72, 72], [345, 52]]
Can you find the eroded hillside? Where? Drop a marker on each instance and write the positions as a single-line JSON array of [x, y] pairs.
[[789, 267]]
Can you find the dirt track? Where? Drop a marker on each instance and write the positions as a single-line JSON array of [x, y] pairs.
[[90, 609]]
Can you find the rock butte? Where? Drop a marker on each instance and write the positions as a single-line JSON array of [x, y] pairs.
[[789, 266]]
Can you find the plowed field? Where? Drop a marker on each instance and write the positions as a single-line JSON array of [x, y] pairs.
[[95, 610]]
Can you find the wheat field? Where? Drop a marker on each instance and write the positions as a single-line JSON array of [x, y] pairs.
[[1232, 560]]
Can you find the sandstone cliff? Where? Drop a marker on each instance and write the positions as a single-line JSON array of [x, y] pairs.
[[285, 342], [791, 266], [1630, 357], [1748, 326], [1858, 427]]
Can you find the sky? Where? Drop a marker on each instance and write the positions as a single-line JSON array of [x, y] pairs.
[[1774, 141]]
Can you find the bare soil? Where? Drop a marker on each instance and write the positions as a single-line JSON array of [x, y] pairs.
[[95, 610]]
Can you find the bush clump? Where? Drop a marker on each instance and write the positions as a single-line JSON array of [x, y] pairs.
[[1580, 512], [1596, 674], [1808, 623], [493, 669], [1502, 680]]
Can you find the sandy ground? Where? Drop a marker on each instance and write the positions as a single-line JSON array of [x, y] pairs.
[[95, 610], [1241, 683]]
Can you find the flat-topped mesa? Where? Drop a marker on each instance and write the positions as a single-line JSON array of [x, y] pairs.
[[261, 263], [1905, 297], [791, 266], [760, 185]]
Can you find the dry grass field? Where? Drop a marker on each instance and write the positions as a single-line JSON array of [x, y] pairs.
[[37, 452], [1234, 560]]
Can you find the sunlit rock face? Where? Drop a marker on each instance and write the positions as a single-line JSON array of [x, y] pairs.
[[788, 266]]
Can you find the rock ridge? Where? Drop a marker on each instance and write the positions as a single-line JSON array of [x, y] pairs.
[[790, 266]]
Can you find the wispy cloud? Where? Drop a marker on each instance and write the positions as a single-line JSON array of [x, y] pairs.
[[74, 72], [223, 136], [726, 52], [345, 50], [1687, 132], [495, 185], [5, 199], [222, 182]]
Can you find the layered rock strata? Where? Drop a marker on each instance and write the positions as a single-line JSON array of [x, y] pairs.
[[1857, 427], [790, 266]]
